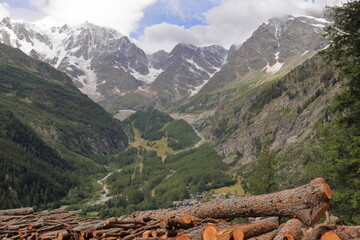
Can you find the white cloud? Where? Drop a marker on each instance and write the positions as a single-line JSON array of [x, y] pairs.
[[122, 15], [174, 8], [233, 21], [4, 10]]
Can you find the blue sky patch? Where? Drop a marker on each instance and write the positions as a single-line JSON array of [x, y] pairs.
[[187, 13]]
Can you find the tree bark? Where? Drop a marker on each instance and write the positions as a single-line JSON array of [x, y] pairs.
[[17, 211], [291, 230], [183, 222], [256, 228], [307, 203], [265, 236]]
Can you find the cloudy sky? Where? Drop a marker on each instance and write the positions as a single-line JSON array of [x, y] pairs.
[[160, 24]]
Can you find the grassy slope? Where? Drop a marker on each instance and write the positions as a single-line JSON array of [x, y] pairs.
[[157, 131]]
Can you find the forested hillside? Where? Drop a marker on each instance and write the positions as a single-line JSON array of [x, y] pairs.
[[145, 181], [48, 130]]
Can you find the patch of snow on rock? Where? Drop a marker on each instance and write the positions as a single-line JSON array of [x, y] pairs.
[[197, 89], [305, 52], [274, 68], [149, 78], [191, 61]]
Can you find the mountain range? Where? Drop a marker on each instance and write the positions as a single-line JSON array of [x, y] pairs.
[[274, 85], [106, 65]]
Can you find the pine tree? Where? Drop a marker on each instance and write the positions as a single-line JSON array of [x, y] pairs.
[[341, 141], [263, 180]]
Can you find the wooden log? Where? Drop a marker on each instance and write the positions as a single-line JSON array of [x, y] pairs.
[[147, 238], [88, 226], [16, 227], [330, 236], [265, 236], [225, 233], [48, 235], [16, 211], [35, 225], [342, 232], [307, 203], [195, 233], [63, 234], [146, 233], [209, 232], [291, 230], [183, 222], [255, 228], [48, 228], [182, 236], [154, 233], [317, 231]]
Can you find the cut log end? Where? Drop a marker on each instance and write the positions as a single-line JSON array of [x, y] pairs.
[[318, 180], [288, 236], [238, 234], [154, 233], [330, 236], [146, 233], [187, 219], [327, 190], [225, 234], [321, 213], [209, 232]]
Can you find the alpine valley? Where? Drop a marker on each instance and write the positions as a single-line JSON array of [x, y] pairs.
[[193, 120]]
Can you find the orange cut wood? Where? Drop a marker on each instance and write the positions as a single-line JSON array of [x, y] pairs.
[[238, 234], [146, 233], [209, 232], [187, 219], [225, 234], [330, 236], [154, 233]]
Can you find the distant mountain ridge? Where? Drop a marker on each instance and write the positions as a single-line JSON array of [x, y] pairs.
[[105, 64], [276, 46]]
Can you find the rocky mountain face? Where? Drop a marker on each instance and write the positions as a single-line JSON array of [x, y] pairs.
[[105, 64], [187, 69], [100, 60], [266, 89], [276, 46]]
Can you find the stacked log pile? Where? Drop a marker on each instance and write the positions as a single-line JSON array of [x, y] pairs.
[[302, 206]]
